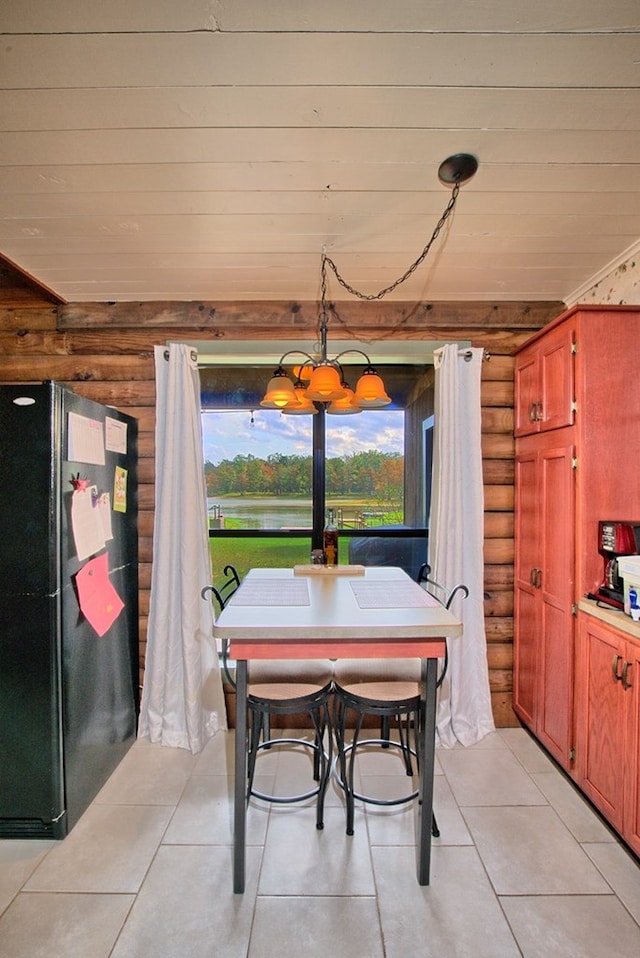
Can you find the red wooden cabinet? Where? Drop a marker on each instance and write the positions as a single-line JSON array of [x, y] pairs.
[[577, 428], [607, 765]]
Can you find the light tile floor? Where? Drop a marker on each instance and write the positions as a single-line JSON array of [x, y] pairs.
[[523, 867]]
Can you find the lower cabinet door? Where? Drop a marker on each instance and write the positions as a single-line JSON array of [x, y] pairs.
[[600, 717], [556, 589], [544, 589], [631, 828]]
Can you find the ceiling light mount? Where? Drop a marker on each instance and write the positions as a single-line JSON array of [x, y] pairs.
[[458, 168]]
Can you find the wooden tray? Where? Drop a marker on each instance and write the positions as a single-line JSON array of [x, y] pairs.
[[328, 570]]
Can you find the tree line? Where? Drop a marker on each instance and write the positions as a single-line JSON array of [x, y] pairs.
[[369, 474]]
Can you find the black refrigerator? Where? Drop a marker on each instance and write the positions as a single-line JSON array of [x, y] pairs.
[[68, 604]]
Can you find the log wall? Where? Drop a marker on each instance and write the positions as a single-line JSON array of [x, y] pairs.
[[105, 352]]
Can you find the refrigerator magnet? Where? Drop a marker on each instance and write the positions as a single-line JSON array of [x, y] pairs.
[[120, 490]]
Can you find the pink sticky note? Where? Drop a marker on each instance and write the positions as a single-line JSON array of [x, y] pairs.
[[99, 602]]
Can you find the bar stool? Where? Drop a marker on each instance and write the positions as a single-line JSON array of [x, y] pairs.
[[278, 688], [388, 689]]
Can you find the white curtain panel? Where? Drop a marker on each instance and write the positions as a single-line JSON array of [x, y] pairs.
[[456, 540], [182, 698]]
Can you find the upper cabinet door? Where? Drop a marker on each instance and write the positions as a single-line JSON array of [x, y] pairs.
[[544, 381], [527, 392]]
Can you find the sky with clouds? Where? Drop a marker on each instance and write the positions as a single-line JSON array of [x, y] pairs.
[[230, 434]]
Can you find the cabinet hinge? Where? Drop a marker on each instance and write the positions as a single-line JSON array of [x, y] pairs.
[[574, 462], [574, 406], [572, 754], [574, 608], [574, 347]]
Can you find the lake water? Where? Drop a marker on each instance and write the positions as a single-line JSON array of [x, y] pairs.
[[270, 513], [265, 513]]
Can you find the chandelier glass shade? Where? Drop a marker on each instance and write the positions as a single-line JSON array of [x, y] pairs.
[[280, 391], [327, 387], [304, 406], [325, 384], [347, 406], [370, 392]]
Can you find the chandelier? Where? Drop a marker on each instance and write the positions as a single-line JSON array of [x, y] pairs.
[[319, 382]]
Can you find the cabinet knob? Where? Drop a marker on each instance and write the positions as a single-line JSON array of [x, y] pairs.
[[626, 684]]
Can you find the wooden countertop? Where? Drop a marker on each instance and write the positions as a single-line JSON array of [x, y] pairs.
[[617, 619]]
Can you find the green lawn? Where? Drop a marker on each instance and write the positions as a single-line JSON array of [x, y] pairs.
[[247, 554]]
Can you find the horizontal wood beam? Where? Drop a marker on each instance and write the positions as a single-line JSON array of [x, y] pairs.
[[289, 318], [29, 369]]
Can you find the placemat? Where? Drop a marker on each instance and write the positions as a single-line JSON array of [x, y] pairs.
[[391, 594], [272, 592]]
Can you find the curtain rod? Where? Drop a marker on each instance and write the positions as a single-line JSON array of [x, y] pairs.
[[465, 353]]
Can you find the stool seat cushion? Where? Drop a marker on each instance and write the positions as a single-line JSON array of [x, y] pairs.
[[381, 692], [283, 691], [354, 671], [267, 671]]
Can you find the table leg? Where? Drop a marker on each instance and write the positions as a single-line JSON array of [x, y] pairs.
[[240, 779], [427, 743]]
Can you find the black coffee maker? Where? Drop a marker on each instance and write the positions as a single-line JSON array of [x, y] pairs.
[[615, 539]]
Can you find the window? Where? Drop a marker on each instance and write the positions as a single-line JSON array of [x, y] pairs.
[[271, 477]]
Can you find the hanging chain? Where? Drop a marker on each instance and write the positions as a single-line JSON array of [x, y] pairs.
[[323, 286], [327, 261], [323, 318]]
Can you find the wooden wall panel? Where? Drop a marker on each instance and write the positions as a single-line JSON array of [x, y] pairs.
[[105, 352]]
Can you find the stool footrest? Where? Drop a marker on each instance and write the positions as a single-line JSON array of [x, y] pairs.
[[289, 799], [368, 799]]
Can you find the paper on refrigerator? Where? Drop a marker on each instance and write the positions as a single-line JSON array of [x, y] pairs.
[[87, 522]]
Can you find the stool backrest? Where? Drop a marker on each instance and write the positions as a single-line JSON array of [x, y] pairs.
[[438, 591], [222, 593], [445, 598]]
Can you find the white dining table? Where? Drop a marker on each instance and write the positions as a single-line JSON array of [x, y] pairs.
[[305, 612]]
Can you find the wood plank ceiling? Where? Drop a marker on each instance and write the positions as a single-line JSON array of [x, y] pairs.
[[209, 149]]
